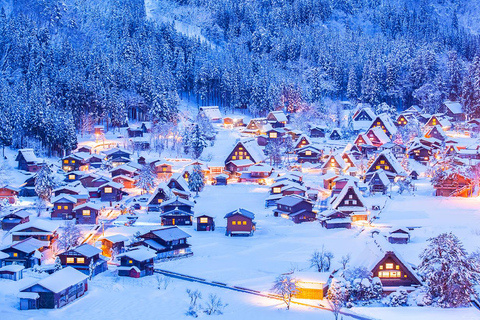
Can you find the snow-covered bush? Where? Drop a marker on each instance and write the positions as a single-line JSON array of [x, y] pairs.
[[214, 305], [397, 298]]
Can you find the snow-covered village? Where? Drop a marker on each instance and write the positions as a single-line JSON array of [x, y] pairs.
[[234, 159]]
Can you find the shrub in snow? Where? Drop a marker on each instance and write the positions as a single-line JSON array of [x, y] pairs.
[[193, 308], [162, 282], [362, 290], [449, 272], [377, 289], [397, 298], [214, 305]]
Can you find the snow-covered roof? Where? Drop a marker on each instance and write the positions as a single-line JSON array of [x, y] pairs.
[[115, 238], [290, 200], [28, 155], [260, 167], [388, 123], [112, 184], [444, 122], [3, 255], [212, 112], [181, 181], [279, 116], [21, 213], [62, 198], [139, 253], [454, 106], [242, 212], [28, 295], [12, 268], [61, 280], [29, 245], [178, 200], [125, 167], [87, 250], [170, 233], [242, 163], [314, 277], [114, 150], [162, 186], [338, 158], [37, 224], [338, 199], [380, 134], [382, 176], [252, 147]]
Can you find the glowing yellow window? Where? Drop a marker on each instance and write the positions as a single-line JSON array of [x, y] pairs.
[[247, 157], [381, 267], [108, 190], [234, 222], [332, 160], [234, 158], [273, 135], [80, 260], [434, 122], [240, 153], [277, 190], [240, 148], [203, 220], [130, 261], [59, 207], [65, 161], [308, 153], [160, 200], [377, 167], [378, 123], [387, 168], [73, 161], [70, 260], [71, 177], [164, 169], [389, 266], [15, 254], [397, 267], [86, 212], [240, 157], [382, 161], [65, 207], [244, 223]]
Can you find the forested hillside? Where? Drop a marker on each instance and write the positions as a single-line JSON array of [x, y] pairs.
[[66, 64]]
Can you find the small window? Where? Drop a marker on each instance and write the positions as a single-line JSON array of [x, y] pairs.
[[70, 260], [277, 190], [86, 212], [73, 161], [80, 260], [65, 161], [234, 158], [203, 220], [244, 223], [273, 135], [15, 254], [381, 267], [234, 222], [240, 157], [71, 177], [397, 267], [164, 169], [160, 200], [59, 207], [308, 153], [387, 168], [107, 190], [130, 261], [382, 161], [389, 266], [247, 157], [65, 207]]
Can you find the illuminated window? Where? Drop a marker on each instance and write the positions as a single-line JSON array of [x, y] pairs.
[[73, 161], [277, 190], [203, 220], [382, 161], [65, 161], [70, 260], [240, 148], [86, 212], [377, 167], [71, 177], [59, 207], [381, 267], [244, 223], [387, 168], [15, 254], [397, 267], [389, 266], [130, 261], [65, 207], [160, 200], [108, 190], [234, 158], [273, 135], [332, 160], [80, 260], [396, 274], [308, 153], [247, 157], [164, 169], [234, 222], [240, 157]]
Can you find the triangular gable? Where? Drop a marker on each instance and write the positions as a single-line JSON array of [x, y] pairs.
[[302, 141]]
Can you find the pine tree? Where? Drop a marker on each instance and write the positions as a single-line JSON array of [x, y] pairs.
[[352, 85], [58, 264], [450, 274], [197, 142], [44, 183], [196, 180], [146, 178]]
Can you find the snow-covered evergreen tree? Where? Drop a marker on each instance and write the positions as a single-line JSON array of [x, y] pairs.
[[196, 180], [44, 182], [449, 273], [197, 141], [146, 178], [58, 264]]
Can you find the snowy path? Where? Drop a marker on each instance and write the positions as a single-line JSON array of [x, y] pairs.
[[249, 291]]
